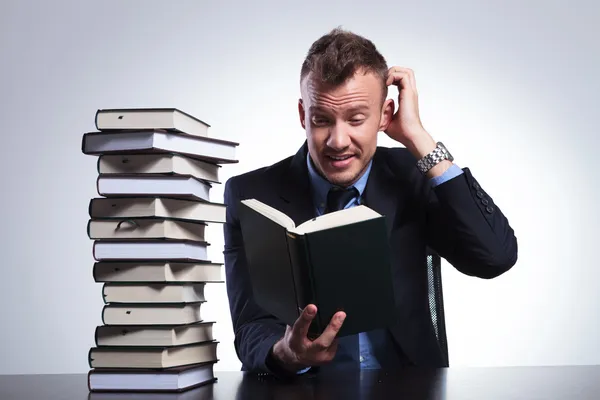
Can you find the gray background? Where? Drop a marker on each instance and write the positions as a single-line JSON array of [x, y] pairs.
[[510, 87]]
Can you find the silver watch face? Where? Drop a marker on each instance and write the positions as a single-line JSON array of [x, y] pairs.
[[439, 154], [445, 150]]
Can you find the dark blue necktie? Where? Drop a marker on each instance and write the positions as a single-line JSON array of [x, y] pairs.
[[337, 198]]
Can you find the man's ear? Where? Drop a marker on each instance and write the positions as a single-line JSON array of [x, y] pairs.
[[387, 114], [301, 113]]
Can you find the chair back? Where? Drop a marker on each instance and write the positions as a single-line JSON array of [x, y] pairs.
[[436, 301]]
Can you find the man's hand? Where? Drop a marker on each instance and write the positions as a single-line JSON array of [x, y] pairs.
[[406, 127], [296, 351], [406, 123]]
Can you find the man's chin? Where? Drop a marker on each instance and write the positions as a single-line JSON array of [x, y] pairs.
[[342, 178]]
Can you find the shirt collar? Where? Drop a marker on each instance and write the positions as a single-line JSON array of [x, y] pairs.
[[320, 186]]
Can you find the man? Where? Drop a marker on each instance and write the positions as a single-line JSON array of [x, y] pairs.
[[429, 202]]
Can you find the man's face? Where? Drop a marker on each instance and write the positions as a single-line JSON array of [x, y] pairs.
[[342, 124]]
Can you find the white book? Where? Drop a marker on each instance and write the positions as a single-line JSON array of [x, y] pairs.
[[145, 185], [158, 207], [150, 118], [146, 228], [151, 380], [157, 164], [151, 314], [152, 357], [155, 141], [150, 271], [153, 292], [154, 335], [149, 250]]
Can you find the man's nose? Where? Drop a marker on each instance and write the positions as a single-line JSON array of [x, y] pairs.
[[338, 138]]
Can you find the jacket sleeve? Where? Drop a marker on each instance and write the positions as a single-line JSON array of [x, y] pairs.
[[467, 228], [255, 330]]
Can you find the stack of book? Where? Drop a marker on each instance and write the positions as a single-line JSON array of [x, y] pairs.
[[156, 168]]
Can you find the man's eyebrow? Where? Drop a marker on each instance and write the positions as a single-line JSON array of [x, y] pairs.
[[319, 108], [354, 108], [358, 107]]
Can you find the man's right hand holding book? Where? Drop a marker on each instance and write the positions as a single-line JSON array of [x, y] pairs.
[[295, 351]]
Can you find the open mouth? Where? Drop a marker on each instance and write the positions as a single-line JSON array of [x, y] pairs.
[[340, 161], [340, 158]]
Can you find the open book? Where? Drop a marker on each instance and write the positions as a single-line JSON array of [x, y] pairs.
[[326, 221], [337, 261]]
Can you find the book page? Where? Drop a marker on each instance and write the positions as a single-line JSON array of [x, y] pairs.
[[271, 213], [337, 218]]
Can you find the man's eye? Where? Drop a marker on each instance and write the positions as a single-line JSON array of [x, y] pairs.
[[319, 121]]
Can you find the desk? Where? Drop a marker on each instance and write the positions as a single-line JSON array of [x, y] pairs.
[[507, 383]]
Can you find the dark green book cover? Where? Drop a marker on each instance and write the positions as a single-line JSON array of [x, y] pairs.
[[339, 261]]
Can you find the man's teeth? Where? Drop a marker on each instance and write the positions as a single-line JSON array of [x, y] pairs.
[[340, 158]]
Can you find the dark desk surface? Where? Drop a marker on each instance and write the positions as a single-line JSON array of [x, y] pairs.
[[531, 383]]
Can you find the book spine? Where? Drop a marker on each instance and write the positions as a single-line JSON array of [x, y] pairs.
[[303, 279], [104, 294], [98, 186], [90, 206], [83, 142], [95, 272], [90, 357], [98, 111], [94, 250], [96, 335]]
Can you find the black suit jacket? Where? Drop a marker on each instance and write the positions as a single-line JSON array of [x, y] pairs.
[[456, 219]]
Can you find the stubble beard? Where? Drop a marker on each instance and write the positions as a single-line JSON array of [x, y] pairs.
[[343, 179]]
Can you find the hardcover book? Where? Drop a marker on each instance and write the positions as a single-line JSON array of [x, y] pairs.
[[116, 119], [338, 261]]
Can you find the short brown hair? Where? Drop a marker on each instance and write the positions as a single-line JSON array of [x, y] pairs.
[[337, 55]]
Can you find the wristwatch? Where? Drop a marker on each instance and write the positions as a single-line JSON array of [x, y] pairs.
[[439, 154]]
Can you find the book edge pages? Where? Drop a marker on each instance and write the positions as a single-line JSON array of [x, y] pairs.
[[149, 110], [269, 212], [164, 132], [337, 219]]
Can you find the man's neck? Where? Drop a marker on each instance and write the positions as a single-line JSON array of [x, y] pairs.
[[319, 185]]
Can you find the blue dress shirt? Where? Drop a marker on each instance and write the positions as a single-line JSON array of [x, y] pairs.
[[320, 187]]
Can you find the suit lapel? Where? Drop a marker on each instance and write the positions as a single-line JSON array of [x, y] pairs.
[[294, 189], [381, 192]]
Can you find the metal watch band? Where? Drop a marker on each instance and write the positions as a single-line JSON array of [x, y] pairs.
[[439, 154]]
